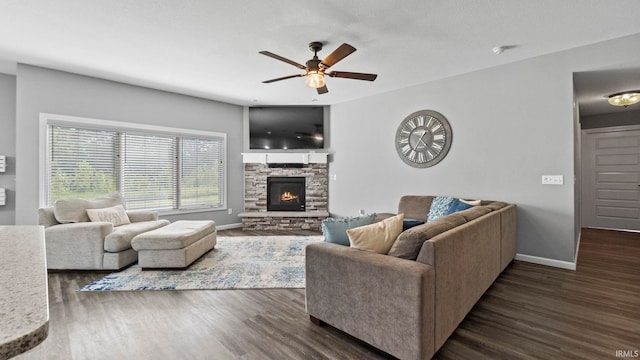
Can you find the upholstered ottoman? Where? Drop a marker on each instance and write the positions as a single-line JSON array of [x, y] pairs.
[[176, 245]]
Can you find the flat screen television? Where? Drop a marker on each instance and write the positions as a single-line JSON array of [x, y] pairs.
[[286, 127]]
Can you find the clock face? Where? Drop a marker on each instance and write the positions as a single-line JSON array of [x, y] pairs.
[[423, 138]]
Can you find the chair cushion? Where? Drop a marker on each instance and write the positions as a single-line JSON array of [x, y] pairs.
[[120, 238], [75, 210]]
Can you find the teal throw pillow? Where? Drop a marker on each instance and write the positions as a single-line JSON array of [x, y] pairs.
[[335, 230], [458, 205], [439, 207]]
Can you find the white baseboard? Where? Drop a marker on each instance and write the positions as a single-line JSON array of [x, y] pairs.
[[229, 226], [548, 262]]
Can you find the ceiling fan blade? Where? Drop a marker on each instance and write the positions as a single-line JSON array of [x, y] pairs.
[[282, 78], [278, 57], [352, 75], [323, 90], [338, 54]]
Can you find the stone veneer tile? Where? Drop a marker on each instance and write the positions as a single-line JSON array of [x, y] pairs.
[[255, 197]]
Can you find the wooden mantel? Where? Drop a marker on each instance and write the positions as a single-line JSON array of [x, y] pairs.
[[285, 158]]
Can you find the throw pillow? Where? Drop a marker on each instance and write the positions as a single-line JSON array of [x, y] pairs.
[[409, 223], [377, 237], [471, 202], [458, 205], [439, 207], [409, 243], [115, 215], [335, 230]]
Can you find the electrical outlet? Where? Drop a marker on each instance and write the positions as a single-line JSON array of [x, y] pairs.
[[552, 179], [230, 211]]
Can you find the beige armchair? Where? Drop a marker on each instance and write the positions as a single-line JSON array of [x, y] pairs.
[[73, 241]]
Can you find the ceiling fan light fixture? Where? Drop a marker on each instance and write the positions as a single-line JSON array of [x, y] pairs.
[[625, 98], [315, 79]]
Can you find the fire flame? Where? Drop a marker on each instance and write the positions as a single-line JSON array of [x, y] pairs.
[[288, 196]]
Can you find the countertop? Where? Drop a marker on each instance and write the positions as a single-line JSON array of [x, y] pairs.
[[24, 305]]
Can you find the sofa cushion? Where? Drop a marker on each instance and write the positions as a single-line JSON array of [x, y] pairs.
[[114, 214], [474, 212], [439, 207], [495, 205], [335, 230], [408, 244], [377, 237], [120, 238], [415, 206], [75, 210], [458, 205]]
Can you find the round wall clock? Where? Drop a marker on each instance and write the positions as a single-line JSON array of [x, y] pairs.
[[423, 138]]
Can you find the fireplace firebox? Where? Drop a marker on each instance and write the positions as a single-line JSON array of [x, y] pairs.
[[286, 193]]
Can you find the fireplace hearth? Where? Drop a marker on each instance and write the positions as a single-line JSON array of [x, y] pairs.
[[286, 193]]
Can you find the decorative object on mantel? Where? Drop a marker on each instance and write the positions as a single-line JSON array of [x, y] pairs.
[[316, 69], [423, 138], [237, 262], [625, 98]]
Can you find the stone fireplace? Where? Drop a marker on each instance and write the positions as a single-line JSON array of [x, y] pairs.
[[285, 191]]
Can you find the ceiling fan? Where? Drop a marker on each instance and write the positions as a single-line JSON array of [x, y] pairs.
[[316, 69]]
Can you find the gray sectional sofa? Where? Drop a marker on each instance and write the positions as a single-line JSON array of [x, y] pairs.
[[74, 242], [408, 302]]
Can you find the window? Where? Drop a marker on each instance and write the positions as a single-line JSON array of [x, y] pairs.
[[156, 168]]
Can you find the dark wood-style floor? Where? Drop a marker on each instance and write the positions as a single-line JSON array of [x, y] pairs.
[[530, 312]]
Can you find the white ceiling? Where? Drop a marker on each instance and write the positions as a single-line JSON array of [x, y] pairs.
[[209, 48]]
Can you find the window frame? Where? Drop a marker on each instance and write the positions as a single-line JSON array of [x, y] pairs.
[[47, 120]]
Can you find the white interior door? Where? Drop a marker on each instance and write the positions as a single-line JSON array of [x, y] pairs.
[[611, 178]]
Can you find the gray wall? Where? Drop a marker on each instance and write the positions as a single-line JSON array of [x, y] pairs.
[[8, 146], [624, 118], [511, 125], [41, 90]]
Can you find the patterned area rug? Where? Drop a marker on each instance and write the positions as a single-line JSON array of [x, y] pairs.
[[237, 262]]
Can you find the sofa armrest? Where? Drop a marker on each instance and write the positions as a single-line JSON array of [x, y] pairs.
[[46, 217], [142, 215], [76, 245], [385, 301]]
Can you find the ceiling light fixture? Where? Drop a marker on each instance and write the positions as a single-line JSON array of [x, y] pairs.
[[315, 79], [625, 98]]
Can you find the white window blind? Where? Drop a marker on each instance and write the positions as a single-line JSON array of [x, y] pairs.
[[81, 162], [148, 172], [201, 171], [153, 170]]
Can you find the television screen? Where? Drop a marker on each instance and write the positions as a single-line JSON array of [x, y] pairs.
[[286, 127]]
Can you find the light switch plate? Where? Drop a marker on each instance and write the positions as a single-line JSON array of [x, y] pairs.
[[552, 179]]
